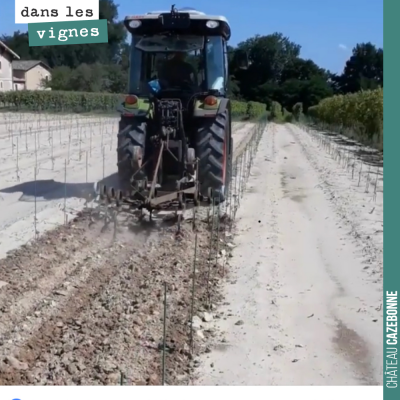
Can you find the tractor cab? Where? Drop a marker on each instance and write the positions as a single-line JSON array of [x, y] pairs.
[[178, 52]]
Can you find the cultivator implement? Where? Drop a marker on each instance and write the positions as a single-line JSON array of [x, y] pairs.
[[146, 195]]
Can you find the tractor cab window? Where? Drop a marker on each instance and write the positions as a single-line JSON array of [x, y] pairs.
[[176, 68], [176, 60], [215, 61], [135, 67], [186, 62]]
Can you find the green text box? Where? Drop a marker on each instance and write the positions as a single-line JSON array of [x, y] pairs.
[[68, 32]]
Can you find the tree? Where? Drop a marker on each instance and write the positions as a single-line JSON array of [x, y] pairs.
[[269, 55], [266, 93], [60, 79], [234, 89], [19, 43], [90, 78], [87, 78], [313, 91], [363, 70], [277, 73], [302, 70], [115, 79]]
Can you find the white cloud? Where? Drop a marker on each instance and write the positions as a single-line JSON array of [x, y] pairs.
[[342, 47]]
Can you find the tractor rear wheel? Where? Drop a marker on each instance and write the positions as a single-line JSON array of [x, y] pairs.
[[213, 145], [131, 147]]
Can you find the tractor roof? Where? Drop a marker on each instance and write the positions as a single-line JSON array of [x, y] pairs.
[[194, 14], [150, 23]]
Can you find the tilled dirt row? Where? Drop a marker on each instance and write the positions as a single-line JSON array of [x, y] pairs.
[[83, 306]]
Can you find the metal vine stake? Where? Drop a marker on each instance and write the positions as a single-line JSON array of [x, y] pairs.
[[164, 335]]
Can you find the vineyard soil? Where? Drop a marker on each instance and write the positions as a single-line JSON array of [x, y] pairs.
[[302, 298], [303, 305]]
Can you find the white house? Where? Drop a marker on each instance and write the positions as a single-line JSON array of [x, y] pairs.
[[30, 74], [7, 56]]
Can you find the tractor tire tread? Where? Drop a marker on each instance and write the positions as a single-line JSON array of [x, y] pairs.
[[131, 135], [210, 143]]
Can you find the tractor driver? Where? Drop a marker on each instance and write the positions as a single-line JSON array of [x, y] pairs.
[[176, 71]]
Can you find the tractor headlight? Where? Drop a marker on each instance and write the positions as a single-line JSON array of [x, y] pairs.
[[135, 23], [212, 24]]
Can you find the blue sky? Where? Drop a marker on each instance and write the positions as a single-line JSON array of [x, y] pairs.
[[326, 30]]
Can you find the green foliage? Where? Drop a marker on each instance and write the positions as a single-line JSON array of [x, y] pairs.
[[363, 70], [89, 78], [255, 110], [233, 89], [360, 112], [77, 102], [297, 111], [279, 114], [276, 113], [239, 109], [277, 73], [59, 101], [248, 111], [287, 116]]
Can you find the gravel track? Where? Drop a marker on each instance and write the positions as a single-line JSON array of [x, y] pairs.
[[79, 306], [303, 304]]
